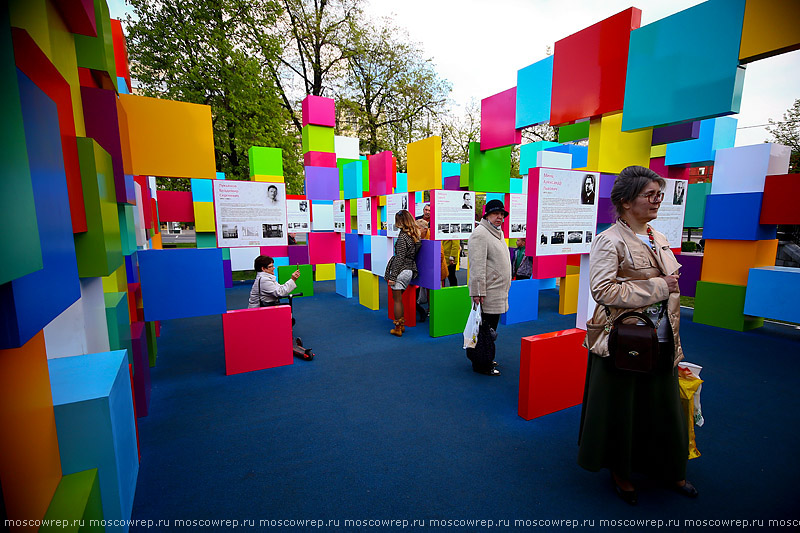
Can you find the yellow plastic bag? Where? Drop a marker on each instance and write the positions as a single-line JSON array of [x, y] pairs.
[[688, 385]]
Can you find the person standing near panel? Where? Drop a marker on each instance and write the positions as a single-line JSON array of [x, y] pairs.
[[451, 250], [402, 266], [489, 282], [633, 421]]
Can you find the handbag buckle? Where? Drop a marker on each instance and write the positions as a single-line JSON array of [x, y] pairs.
[[633, 353]]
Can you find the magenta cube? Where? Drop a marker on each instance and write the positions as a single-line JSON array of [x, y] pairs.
[[549, 266], [319, 111], [322, 183], [381, 174], [498, 116], [141, 369], [324, 247], [298, 254], [275, 251], [319, 159], [256, 339], [429, 265]]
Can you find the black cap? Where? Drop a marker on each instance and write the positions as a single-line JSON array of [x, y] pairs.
[[493, 206]]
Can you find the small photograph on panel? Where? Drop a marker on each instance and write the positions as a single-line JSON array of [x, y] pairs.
[[230, 231], [249, 231], [467, 201], [271, 230], [557, 238], [444, 228], [543, 239], [303, 206], [455, 228], [680, 193], [466, 228], [588, 237], [587, 190], [575, 237]]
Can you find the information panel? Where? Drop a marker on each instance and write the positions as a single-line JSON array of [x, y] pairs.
[[566, 215], [453, 214], [364, 215], [250, 213], [298, 216], [672, 211], [517, 216], [339, 216]]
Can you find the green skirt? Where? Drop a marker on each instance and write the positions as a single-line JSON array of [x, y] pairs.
[[633, 422]]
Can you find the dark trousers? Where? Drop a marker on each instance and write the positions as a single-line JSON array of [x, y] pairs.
[[482, 354], [451, 275]]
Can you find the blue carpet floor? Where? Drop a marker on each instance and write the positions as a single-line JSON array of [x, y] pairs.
[[380, 428]]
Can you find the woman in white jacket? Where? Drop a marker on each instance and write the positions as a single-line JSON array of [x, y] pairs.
[[266, 290], [489, 281]]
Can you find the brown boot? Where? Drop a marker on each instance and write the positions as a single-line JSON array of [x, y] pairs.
[[399, 327]]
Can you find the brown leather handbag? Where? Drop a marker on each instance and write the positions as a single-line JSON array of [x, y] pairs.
[[633, 347]]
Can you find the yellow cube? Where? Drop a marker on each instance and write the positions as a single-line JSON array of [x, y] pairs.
[[568, 294], [611, 149], [326, 272], [368, 295], [425, 164]]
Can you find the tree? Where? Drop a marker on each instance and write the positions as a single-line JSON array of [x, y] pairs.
[[393, 95], [458, 131], [189, 50], [313, 37], [787, 132]]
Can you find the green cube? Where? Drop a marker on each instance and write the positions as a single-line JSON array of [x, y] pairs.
[[20, 236], [265, 161], [206, 239], [152, 343], [127, 228], [449, 309], [317, 139], [77, 504], [226, 254], [98, 250], [489, 171], [464, 181], [118, 319], [573, 132], [305, 283], [340, 163], [696, 205], [722, 305], [97, 53], [364, 174]]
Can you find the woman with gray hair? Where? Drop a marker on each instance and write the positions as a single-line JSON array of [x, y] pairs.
[[633, 421]]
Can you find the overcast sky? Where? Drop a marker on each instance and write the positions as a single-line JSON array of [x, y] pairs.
[[478, 45]]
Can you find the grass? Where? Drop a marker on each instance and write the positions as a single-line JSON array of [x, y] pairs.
[[687, 301], [242, 275]]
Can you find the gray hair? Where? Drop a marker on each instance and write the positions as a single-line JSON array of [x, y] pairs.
[[630, 183]]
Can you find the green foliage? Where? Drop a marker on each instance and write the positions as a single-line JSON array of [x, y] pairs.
[[190, 51], [393, 95], [787, 132], [688, 246]]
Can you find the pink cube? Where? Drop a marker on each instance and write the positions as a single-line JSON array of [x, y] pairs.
[[324, 247], [275, 251], [319, 111], [549, 266], [256, 339], [381, 174], [498, 115], [319, 159]]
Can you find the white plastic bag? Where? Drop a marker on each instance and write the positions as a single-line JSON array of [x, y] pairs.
[[698, 411], [472, 327]]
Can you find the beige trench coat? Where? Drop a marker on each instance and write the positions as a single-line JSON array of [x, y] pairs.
[[625, 275], [489, 268]]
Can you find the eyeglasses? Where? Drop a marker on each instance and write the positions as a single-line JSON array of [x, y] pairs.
[[653, 197], [271, 266]]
